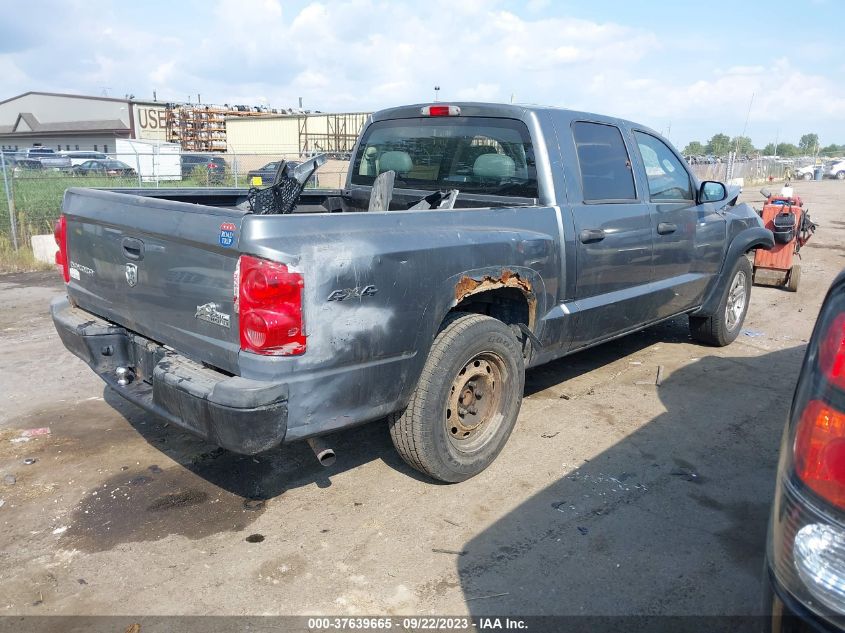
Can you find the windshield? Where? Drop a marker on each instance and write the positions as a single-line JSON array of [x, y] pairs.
[[472, 154]]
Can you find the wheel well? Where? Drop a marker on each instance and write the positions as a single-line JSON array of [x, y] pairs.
[[508, 305]]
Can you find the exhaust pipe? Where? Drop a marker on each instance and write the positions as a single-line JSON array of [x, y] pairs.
[[324, 452]]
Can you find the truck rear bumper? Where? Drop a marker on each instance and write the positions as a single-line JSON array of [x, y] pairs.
[[244, 416]]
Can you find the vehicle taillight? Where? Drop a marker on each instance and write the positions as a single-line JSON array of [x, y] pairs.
[[820, 451], [212, 165], [440, 110], [806, 548], [60, 233], [269, 303], [832, 353]]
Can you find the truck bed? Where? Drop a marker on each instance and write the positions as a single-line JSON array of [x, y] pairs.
[[311, 200]]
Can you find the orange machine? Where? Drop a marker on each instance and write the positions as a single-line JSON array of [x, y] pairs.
[[786, 217]]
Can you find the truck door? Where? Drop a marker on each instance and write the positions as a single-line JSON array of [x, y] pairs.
[[613, 236], [688, 237]]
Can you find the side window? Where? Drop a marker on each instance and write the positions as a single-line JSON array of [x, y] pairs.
[[667, 177], [605, 166]]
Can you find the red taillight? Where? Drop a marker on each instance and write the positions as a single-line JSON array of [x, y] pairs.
[[270, 306], [440, 110], [819, 452], [832, 353], [212, 165], [60, 233]]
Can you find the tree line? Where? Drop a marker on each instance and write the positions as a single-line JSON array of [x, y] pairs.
[[722, 144]]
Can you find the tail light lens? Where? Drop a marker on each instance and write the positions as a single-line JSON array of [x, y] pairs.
[[60, 233], [807, 534], [832, 352], [820, 451], [269, 303]]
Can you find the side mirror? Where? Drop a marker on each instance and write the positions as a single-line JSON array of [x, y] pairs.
[[712, 191]]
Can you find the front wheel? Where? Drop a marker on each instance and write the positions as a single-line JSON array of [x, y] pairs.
[[466, 402], [808, 176], [724, 326], [840, 175]]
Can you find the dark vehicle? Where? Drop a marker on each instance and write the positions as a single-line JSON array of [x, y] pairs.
[[268, 172], [805, 558], [103, 168], [210, 167], [265, 173], [510, 236], [20, 166]]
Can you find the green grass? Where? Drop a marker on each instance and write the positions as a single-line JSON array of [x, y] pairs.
[[37, 196], [16, 261]]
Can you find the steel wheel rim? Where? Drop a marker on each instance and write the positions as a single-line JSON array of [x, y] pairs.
[[736, 301], [474, 408]]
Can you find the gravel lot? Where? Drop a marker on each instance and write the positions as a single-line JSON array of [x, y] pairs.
[[611, 497]]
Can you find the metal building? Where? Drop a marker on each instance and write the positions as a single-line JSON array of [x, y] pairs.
[[296, 135], [76, 122]]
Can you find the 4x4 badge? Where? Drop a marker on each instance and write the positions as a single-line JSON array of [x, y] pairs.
[[131, 274]]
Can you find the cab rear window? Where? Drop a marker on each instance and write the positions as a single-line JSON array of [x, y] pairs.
[[473, 154]]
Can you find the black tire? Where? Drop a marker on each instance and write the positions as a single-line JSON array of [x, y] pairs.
[[808, 176], [473, 357], [794, 278], [840, 175], [720, 329]]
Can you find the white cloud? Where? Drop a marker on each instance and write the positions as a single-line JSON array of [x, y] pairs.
[[367, 54]]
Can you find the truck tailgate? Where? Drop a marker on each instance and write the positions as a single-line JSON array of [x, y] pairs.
[[161, 268]]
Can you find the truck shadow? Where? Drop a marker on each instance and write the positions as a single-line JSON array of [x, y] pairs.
[[563, 369], [269, 474], [669, 520]]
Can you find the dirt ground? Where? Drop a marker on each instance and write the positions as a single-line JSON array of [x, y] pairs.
[[612, 497]]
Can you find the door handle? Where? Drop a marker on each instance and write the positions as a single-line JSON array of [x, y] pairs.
[[588, 236], [133, 248], [665, 228]]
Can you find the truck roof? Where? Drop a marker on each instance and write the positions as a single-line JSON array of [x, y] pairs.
[[502, 110]]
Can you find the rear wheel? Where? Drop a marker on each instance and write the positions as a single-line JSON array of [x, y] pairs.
[[723, 327], [794, 278], [808, 176], [466, 402]]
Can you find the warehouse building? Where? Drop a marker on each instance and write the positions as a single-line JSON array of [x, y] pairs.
[[77, 122], [296, 135]]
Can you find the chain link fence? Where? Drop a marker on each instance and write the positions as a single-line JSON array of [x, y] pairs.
[[31, 191]]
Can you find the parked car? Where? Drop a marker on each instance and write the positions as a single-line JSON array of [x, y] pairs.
[[805, 557], [265, 174], [482, 259], [47, 157], [20, 166], [212, 167], [837, 170], [79, 157], [805, 173], [104, 168]]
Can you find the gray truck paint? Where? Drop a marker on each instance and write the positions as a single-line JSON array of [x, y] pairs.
[[364, 354]]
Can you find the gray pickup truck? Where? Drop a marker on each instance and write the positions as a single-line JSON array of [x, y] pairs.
[[251, 329]]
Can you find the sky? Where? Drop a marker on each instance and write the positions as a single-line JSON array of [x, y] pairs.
[[687, 69]]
